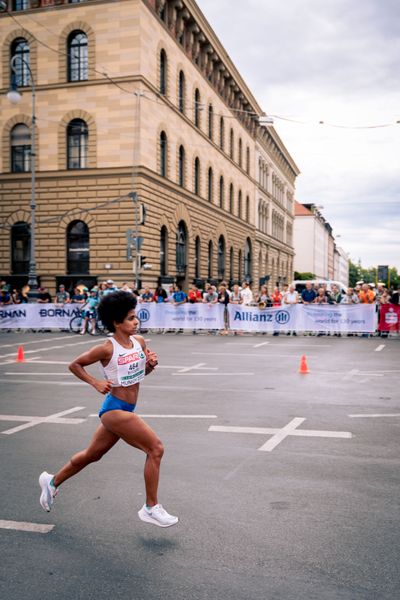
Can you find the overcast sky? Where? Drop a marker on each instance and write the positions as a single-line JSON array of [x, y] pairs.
[[336, 61]]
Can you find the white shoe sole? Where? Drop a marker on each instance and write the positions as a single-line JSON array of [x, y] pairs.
[[44, 495], [146, 518]]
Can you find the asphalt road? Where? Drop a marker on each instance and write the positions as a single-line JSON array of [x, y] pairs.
[[310, 516]]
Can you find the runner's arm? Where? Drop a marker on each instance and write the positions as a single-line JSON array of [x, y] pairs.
[[96, 354], [151, 357]]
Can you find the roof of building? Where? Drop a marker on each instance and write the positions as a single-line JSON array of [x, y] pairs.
[[301, 211]]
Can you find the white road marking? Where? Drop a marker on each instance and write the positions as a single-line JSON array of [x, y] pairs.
[[280, 434], [23, 526], [170, 416], [44, 382], [380, 347], [39, 374], [33, 421], [198, 366], [92, 341], [208, 374], [54, 339], [375, 415], [261, 344], [252, 355]]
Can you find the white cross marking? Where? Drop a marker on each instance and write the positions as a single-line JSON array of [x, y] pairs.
[[278, 435], [33, 421]]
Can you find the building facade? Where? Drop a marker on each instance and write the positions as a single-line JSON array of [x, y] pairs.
[[158, 110]]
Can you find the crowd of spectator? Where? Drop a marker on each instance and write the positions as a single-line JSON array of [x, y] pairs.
[[362, 293]]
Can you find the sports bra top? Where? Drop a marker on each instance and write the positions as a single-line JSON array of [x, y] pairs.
[[127, 366]]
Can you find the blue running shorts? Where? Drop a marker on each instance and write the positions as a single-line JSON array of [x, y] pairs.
[[113, 403]]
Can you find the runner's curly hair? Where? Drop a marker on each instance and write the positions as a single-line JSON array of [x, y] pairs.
[[114, 307]]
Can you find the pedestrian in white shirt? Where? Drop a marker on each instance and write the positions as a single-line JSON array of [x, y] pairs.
[[290, 297], [246, 294]]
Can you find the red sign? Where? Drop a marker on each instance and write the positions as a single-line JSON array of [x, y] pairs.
[[389, 319]]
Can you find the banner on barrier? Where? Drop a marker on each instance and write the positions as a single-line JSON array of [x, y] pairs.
[[37, 316], [182, 316], [300, 317], [389, 318]]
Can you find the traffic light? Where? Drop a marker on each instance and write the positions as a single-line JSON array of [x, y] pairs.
[[142, 261]]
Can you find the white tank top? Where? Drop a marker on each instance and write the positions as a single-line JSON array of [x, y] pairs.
[[127, 366]]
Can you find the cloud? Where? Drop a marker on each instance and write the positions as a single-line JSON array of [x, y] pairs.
[[335, 61]]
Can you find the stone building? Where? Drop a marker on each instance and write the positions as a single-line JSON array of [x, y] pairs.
[[136, 96]]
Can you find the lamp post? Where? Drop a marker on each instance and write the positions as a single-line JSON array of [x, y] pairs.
[[14, 97]]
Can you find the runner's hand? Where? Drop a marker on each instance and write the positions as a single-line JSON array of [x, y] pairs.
[[151, 358], [103, 386]]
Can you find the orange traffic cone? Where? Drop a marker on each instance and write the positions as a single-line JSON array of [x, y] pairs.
[[303, 365], [20, 354]]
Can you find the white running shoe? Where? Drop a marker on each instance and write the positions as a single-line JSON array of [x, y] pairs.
[[157, 515], [48, 491]]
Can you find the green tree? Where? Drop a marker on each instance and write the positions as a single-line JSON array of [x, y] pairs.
[[303, 276]]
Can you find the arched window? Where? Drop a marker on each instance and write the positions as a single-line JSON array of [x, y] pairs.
[[163, 154], [197, 258], [21, 77], [240, 152], [221, 192], [163, 251], [77, 144], [231, 198], [221, 257], [77, 50], [20, 148], [210, 260], [77, 248], [231, 144], [221, 133], [240, 204], [231, 265], [163, 73], [247, 260], [248, 160], [181, 248], [181, 92], [197, 107], [181, 166], [197, 176], [210, 121], [247, 208], [20, 248], [240, 266], [210, 185]]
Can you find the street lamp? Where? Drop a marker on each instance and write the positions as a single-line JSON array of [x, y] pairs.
[[14, 97]]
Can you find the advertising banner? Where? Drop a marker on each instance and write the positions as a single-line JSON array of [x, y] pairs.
[[389, 318], [252, 318], [37, 316], [183, 316]]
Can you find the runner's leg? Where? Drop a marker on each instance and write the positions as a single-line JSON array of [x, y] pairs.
[[135, 432], [103, 440]]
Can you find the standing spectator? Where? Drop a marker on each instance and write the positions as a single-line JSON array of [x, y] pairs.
[[223, 298], [350, 297], [147, 295], [102, 289], [321, 297], [17, 297], [290, 298], [235, 295], [5, 297], [78, 297], [366, 295], [336, 296], [379, 291], [210, 298], [178, 298], [308, 295], [194, 294], [111, 287], [276, 297], [395, 296], [247, 294], [62, 296], [385, 298], [263, 298], [44, 296], [160, 295]]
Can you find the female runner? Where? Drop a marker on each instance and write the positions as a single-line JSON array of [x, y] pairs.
[[125, 361]]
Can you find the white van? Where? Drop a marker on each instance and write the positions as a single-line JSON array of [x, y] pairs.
[[300, 284]]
